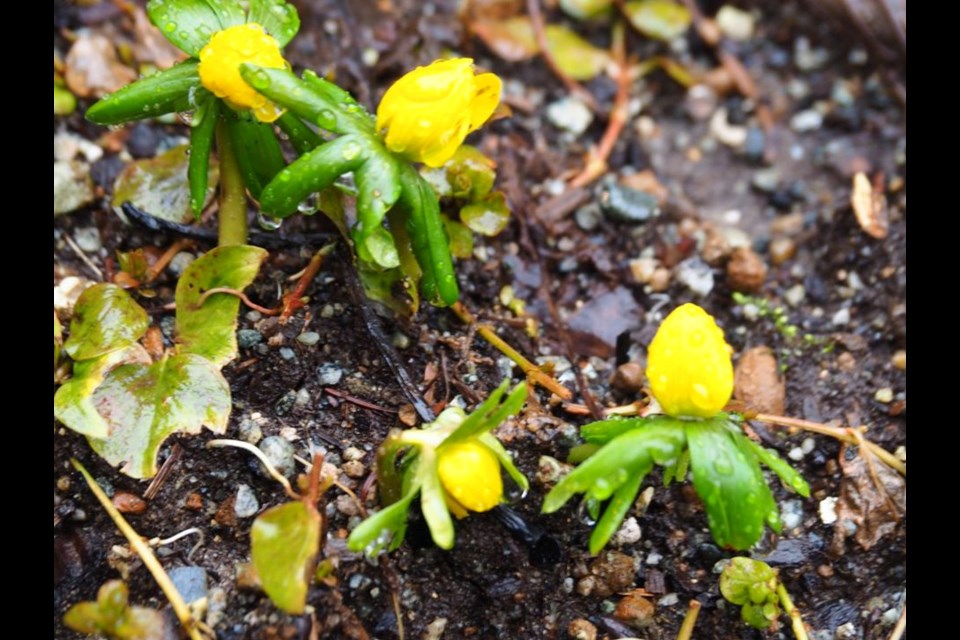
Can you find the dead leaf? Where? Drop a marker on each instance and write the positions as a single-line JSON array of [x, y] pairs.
[[870, 206], [511, 39], [867, 510], [149, 45], [93, 69], [758, 383]]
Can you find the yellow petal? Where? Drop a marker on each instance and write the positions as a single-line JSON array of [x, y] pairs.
[[487, 89], [470, 474]]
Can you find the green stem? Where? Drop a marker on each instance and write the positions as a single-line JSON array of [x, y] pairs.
[[796, 622], [689, 621], [233, 195]]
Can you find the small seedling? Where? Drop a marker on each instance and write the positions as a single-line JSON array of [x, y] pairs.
[[112, 615], [453, 464], [756, 588], [691, 376]]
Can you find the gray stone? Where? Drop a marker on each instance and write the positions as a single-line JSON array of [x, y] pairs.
[[246, 504], [809, 120], [309, 338], [88, 239], [246, 338], [280, 454], [249, 431], [570, 114], [180, 262], [329, 374], [191, 582], [696, 275], [72, 187]]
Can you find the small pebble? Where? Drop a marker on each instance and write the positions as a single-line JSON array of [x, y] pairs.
[[809, 120], [746, 271], [653, 558], [884, 395], [353, 453], [754, 144], [668, 600], [354, 468], [550, 470], [766, 180], [808, 445], [280, 453], [63, 483], [846, 631], [246, 504], [309, 338], [791, 513], [588, 217], [329, 374], [828, 510], [825, 571], [796, 454], [327, 311], [629, 533], [180, 262], [570, 114], [287, 353], [642, 269], [249, 431], [728, 134], [841, 317], [194, 501], [247, 338], [660, 280], [696, 275], [346, 505], [581, 629], [628, 377], [191, 582], [806, 57], [781, 250], [88, 239], [634, 610], [890, 617], [899, 360], [128, 502], [700, 102], [735, 23], [795, 295], [400, 340]]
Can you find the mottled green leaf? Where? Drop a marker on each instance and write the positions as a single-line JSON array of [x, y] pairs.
[[488, 216], [279, 18], [470, 174], [112, 615], [105, 318], [585, 9], [203, 125], [787, 474], [660, 19], [161, 185], [311, 173], [73, 403], [575, 56], [378, 188], [461, 238], [166, 91], [189, 24], [144, 405], [615, 512], [729, 481], [207, 327], [753, 585], [284, 545]]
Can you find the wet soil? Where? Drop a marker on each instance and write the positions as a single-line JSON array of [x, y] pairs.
[[493, 584]]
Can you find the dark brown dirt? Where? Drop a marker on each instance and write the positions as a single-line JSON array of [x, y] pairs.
[[492, 584]]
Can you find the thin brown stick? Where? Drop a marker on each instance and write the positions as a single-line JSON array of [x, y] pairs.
[[840, 433], [574, 87], [82, 255], [360, 402], [596, 164], [532, 371], [294, 300], [157, 267], [689, 621], [154, 487]]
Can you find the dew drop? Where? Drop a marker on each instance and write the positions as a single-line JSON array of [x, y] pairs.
[[583, 514], [309, 206], [260, 80], [351, 150], [723, 466], [170, 27], [268, 223]]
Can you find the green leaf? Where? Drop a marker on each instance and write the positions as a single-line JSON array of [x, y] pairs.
[[105, 319], [429, 242], [302, 137], [317, 101], [162, 185], [490, 413], [730, 483], [470, 173], [201, 141], [659, 19], [575, 56], [632, 453], [166, 91], [388, 524], [378, 188], [753, 585], [279, 18], [461, 238], [208, 327], [64, 102], [73, 403], [585, 9], [257, 151], [377, 248], [604, 431], [144, 405], [285, 541], [488, 216], [616, 511], [787, 474], [189, 24], [111, 615], [506, 460], [432, 502], [409, 267], [311, 173]]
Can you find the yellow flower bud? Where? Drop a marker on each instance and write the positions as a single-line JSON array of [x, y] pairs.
[[689, 365], [428, 112], [470, 475], [220, 64]]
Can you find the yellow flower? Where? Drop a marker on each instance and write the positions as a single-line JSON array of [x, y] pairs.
[[688, 364], [220, 64], [428, 112], [470, 475]]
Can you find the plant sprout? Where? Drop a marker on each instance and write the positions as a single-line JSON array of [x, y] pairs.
[[453, 464], [691, 377]]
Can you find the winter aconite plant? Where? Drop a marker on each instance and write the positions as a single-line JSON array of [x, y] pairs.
[[691, 377], [453, 464]]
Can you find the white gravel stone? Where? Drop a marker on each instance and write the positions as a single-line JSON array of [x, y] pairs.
[[570, 114], [828, 510]]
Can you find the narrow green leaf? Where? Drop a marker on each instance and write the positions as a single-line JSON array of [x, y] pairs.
[[616, 511], [279, 18], [378, 188], [604, 431], [388, 524], [162, 184], [201, 141], [284, 542], [305, 99], [427, 237], [257, 151], [189, 24], [105, 319], [478, 420], [432, 502], [144, 405], [506, 460], [787, 474], [207, 327], [73, 403], [730, 483], [302, 137], [355, 112], [659, 19], [311, 173], [166, 91]]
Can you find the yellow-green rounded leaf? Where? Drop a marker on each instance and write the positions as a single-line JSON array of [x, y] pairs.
[[488, 216], [660, 19], [285, 541], [105, 319]]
